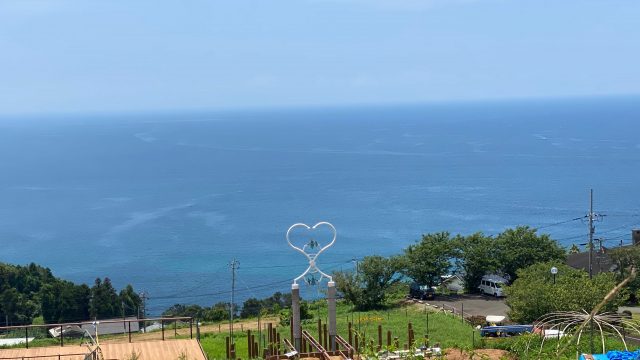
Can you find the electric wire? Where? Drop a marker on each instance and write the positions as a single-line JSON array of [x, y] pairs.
[[559, 223]]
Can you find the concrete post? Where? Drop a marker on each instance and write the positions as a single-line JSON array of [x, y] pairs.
[[295, 314], [331, 307]]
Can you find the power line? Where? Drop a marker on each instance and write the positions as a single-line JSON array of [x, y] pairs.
[[226, 292], [559, 223], [620, 228], [571, 237], [286, 266]]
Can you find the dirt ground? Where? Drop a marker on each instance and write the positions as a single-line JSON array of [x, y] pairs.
[[481, 354]]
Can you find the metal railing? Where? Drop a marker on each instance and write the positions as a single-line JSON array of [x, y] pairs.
[[91, 355], [126, 327]]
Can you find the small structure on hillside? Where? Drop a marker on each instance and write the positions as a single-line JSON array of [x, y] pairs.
[[452, 283]]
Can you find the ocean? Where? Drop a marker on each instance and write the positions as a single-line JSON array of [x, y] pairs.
[[165, 201]]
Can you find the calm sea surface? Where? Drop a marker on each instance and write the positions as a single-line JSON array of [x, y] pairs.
[[166, 201]]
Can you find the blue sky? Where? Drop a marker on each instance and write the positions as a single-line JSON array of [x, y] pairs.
[[59, 56]]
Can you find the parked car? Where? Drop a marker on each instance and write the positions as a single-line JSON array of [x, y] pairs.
[[422, 292], [492, 285]]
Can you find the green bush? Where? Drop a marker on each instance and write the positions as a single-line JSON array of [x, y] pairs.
[[534, 293]]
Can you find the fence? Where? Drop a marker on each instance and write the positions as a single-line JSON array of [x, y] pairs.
[[91, 355], [160, 329], [464, 316]]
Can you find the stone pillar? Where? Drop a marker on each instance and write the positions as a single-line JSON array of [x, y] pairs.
[[295, 314], [331, 307]]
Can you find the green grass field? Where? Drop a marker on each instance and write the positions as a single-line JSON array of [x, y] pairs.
[[445, 329]]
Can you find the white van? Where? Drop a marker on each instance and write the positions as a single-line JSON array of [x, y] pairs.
[[492, 285]]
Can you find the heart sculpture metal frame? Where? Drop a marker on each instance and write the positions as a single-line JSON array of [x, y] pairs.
[[312, 257]]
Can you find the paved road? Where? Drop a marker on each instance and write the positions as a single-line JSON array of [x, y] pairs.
[[480, 305]]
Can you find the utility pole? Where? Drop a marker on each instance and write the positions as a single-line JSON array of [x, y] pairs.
[[124, 319], [592, 217], [592, 229], [356, 262], [144, 304], [235, 264]]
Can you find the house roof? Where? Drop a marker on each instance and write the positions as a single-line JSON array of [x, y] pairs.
[[450, 278], [601, 261]]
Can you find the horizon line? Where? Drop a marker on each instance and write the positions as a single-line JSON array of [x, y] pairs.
[[318, 106]]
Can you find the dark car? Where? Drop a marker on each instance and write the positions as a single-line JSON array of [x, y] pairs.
[[422, 292]]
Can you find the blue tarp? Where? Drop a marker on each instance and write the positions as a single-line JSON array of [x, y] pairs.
[[616, 355], [623, 355]]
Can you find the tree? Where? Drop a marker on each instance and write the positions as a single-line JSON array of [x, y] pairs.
[[251, 307], [521, 247], [17, 306], [305, 313], [104, 302], [625, 258], [20, 291], [574, 249], [276, 302], [130, 300], [217, 312], [64, 301], [426, 261], [367, 288], [476, 258], [534, 293], [181, 310]]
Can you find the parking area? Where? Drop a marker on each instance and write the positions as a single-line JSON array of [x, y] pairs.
[[474, 305]]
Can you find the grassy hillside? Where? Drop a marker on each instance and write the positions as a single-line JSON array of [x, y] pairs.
[[445, 329]]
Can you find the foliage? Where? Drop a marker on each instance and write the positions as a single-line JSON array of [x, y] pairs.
[[534, 294], [530, 346], [251, 307], [20, 291], [522, 247], [130, 300], [367, 288], [476, 257], [574, 249], [271, 305], [217, 312], [426, 261], [64, 301], [305, 313], [625, 258], [192, 310], [32, 290], [104, 302]]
